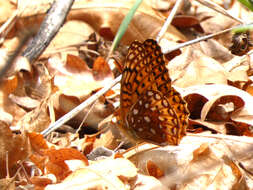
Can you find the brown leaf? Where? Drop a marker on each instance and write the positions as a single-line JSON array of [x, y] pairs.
[[198, 126], [75, 64], [185, 21], [241, 44], [53, 160], [38, 143], [145, 24], [221, 108], [13, 147], [88, 144], [101, 69], [154, 170], [39, 160], [58, 156], [7, 183], [69, 40], [40, 181], [195, 103], [239, 129], [33, 87], [6, 10], [241, 101]]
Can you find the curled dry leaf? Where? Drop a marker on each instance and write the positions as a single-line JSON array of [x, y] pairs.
[[88, 144], [215, 50], [225, 104], [145, 23], [32, 91], [38, 143], [221, 108], [36, 120], [198, 126], [148, 182], [40, 182], [58, 156], [195, 103]]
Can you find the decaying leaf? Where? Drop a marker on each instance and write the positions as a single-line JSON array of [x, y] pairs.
[[51, 160], [12, 147], [225, 104], [71, 70]]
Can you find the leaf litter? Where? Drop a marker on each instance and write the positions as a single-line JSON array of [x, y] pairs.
[[215, 153]]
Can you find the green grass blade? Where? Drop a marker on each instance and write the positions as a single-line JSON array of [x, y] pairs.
[[242, 28], [123, 27], [247, 3]]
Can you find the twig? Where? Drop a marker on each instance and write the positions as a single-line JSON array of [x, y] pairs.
[[219, 9], [245, 139], [203, 38], [168, 21], [77, 109], [50, 26], [7, 26]]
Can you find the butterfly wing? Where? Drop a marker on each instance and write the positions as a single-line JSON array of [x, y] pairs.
[[152, 119], [145, 73]]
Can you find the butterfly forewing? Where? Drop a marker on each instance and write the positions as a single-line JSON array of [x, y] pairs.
[[136, 77]]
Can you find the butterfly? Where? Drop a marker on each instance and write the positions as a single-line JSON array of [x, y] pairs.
[[151, 110]]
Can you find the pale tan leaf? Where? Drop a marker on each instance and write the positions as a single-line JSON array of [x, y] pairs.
[[100, 175]]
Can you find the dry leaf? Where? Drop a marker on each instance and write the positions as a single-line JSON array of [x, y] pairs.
[[105, 174], [13, 147], [195, 68], [211, 92], [221, 108], [72, 77], [101, 16], [154, 170]]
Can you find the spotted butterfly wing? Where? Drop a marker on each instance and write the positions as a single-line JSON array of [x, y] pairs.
[[153, 119], [151, 110]]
